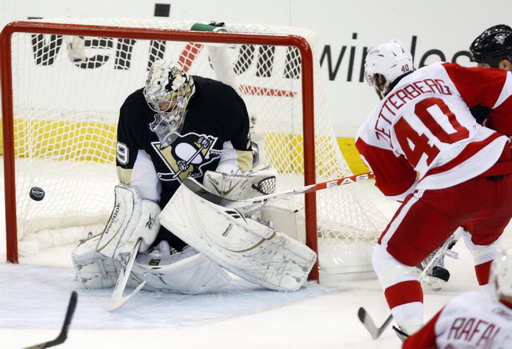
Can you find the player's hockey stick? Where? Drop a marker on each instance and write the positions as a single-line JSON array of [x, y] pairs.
[[63, 335], [367, 320], [200, 190], [118, 300]]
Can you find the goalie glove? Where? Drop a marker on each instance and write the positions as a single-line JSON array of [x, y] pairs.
[[240, 186]]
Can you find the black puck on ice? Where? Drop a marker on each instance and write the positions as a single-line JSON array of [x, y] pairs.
[[36, 193]]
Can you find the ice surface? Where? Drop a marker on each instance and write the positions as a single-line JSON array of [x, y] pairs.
[[34, 296]]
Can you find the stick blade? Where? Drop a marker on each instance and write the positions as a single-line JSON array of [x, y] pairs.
[[120, 301], [367, 321], [361, 314]]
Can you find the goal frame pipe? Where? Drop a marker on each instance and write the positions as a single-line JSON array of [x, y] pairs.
[[308, 126]]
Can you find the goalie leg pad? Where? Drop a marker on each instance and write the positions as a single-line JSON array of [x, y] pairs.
[[188, 272], [243, 246], [94, 270], [132, 218]]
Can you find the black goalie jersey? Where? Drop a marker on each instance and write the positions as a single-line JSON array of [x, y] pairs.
[[216, 124]]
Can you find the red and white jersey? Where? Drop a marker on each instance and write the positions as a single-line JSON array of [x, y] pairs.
[[470, 320], [422, 135]]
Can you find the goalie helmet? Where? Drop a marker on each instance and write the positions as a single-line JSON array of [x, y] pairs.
[[501, 273], [386, 62], [493, 45], [168, 91]]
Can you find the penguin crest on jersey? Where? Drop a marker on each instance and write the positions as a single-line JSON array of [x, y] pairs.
[[186, 156]]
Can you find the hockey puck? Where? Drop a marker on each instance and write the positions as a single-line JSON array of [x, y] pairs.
[[36, 193]]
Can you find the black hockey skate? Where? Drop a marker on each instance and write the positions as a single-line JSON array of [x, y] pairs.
[[437, 276]]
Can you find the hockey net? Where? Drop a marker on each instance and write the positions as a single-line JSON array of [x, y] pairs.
[[70, 77]]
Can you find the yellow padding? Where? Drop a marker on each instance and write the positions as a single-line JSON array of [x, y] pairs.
[[279, 144], [65, 140], [95, 142], [291, 145], [351, 155]]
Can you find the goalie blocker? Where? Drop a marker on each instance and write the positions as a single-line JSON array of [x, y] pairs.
[[243, 246]]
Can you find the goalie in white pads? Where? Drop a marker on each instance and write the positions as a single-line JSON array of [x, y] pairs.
[[181, 126]]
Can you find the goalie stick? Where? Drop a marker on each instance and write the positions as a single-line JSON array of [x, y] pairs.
[[200, 190], [63, 335], [367, 320], [118, 300]]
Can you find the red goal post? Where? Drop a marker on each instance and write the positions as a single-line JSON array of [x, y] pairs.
[[150, 34]]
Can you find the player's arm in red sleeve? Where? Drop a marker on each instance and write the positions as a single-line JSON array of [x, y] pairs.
[[425, 337], [479, 86], [488, 88], [394, 175]]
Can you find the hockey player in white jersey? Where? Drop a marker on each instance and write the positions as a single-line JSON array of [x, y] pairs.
[[428, 151], [437, 275], [473, 319]]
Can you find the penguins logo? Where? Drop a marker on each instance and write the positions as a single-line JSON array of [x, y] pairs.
[[185, 156]]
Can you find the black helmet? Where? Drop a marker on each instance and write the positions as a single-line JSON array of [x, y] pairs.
[[493, 45]]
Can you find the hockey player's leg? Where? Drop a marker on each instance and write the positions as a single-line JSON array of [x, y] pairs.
[[482, 234], [243, 246], [417, 230], [483, 255], [402, 289]]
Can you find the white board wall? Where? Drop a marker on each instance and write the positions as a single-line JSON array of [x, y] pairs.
[[434, 30]]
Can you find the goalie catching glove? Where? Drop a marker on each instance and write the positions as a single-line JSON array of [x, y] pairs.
[[243, 246]]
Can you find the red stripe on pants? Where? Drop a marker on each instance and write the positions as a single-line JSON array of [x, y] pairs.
[[403, 293], [482, 272]]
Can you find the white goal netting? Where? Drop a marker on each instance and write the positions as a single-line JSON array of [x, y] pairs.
[[67, 91]]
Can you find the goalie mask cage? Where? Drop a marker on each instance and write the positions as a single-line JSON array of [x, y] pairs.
[[64, 80]]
